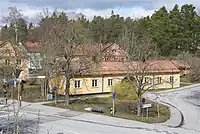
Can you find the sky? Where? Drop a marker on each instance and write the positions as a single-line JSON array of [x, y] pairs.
[[132, 8]]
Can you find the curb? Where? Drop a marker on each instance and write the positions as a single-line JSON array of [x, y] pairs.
[[179, 89], [182, 117], [170, 105]]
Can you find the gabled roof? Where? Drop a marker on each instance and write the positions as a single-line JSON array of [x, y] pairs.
[[152, 66], [182, 65], [105, 50], [17, 51]]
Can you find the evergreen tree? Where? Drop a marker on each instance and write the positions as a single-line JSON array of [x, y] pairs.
[[22, 30], [160, 32], [175, 27], [190, 28]]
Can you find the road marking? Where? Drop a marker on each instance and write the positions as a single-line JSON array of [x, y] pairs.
[[71, 132]]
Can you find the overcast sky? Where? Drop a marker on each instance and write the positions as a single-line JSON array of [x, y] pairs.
[[132, 8]]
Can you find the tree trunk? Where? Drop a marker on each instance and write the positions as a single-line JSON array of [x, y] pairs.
[[42, 88], [67, 86], [139, 108], [47, 80]]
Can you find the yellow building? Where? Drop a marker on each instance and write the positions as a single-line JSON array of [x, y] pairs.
[[157, 74]]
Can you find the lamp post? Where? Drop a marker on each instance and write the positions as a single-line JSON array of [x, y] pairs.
[[18, 86]]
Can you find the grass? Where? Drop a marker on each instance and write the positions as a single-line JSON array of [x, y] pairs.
[[31, 93], [183, 84], [185, 79], [125, 109]]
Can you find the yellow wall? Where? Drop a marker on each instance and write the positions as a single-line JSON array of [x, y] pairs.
[[165, 81], [7, 52], [86, 84]]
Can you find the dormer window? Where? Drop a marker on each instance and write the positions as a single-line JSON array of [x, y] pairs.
[[114, 50], [19, 61], [7, 62], [122, 59]]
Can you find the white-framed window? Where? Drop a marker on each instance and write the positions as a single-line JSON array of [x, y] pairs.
[[148, 80], [110, 82], [171, 79], [7, 62], [19, 61], [94, 83], [77, 84], [106, 58], [159, 80]]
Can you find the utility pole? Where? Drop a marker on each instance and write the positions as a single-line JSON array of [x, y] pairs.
[[18, 86], [16, 34]]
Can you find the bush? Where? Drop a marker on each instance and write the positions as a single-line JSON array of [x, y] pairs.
[[125, 91]]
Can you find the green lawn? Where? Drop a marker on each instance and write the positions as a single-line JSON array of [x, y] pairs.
[[125, 109]]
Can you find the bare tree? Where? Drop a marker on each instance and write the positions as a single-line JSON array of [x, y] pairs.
[[193, 73], [66, 44], [12, 20], [63, 42], [16, 121], [140, 54]]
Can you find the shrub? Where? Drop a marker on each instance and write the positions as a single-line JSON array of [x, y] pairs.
[[125, 91]]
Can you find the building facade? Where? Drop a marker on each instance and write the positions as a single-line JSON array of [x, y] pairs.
[[161, 74], [12, 60]]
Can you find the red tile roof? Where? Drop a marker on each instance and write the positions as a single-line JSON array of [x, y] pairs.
[[153, 66], [33, 46], [96, 48], [182, 65]]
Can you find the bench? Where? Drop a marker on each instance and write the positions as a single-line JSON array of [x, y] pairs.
[[96, 108]]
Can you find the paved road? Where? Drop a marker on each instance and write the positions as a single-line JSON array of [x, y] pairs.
[[56, 120], [188, 102]]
